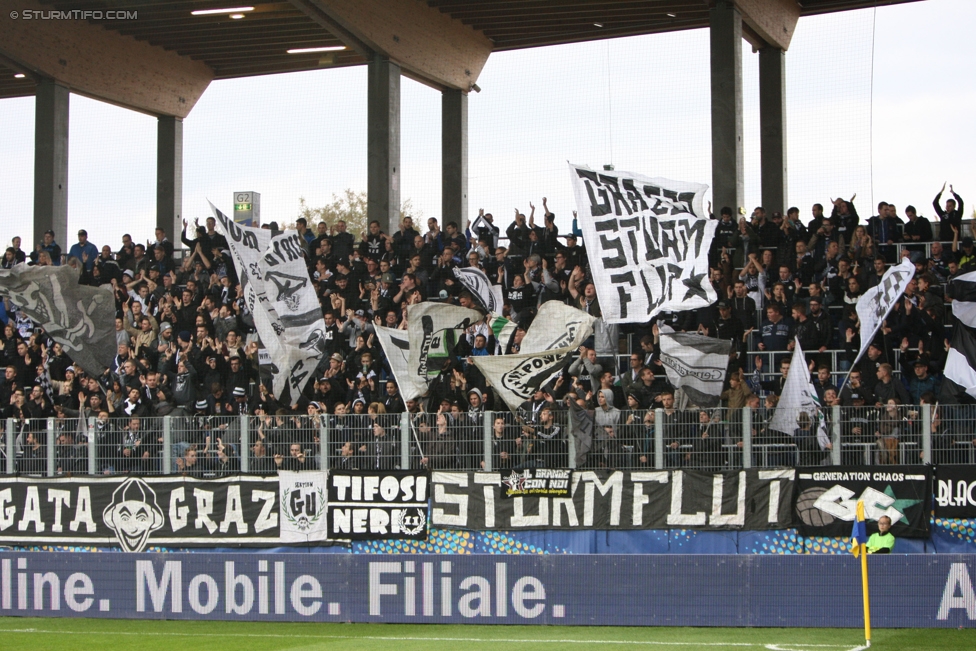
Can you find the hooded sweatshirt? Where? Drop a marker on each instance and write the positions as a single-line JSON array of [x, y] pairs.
[[606, 414]]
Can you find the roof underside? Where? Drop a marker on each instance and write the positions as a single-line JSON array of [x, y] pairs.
[[257, 43]]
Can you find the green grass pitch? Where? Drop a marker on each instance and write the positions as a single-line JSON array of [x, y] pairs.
[[35, 634]]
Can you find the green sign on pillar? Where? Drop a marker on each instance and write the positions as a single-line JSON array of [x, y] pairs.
[[247, 208]]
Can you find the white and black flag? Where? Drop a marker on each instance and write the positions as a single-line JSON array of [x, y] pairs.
[[962, 291], [79, 317], [648, 242], [876, 304], [396, 347], [696, 364], [475, 281], [959, 384], [281, 297], [547, 348]]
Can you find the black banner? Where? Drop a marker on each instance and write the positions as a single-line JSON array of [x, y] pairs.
[[136, 512], [381, 505], [826, 499], [659, 499], [537, 481], [955, 492]]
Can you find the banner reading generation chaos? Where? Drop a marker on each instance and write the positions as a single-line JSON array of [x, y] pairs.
[[657, 499], [826, 499]]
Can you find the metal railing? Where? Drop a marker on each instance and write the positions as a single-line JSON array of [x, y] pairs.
[[713, 439]]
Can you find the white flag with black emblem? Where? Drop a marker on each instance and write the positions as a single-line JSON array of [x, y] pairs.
[[548, 347], [475, 281], [647, 240], [281, 297]]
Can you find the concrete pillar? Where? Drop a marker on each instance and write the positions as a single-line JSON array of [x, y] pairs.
[[454, 156], [772, 128], [383, 143], [50, 163], [725, 36], [169, 176]]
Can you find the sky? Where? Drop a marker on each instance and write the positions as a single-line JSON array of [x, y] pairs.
[[879, 103]]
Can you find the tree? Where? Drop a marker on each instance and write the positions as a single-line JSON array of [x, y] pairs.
[[350, 207]]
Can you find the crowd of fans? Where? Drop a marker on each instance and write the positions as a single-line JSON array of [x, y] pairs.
[[187, 347]]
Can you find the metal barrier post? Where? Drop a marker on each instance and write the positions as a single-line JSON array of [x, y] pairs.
[[486, 432], [835, 457], [11, 447], [50, 448], [747, 437], [571, 441], [324, 441], [404, 440], [927, 433], [167, 445], [245, 445], [659, 438], [92, 460]]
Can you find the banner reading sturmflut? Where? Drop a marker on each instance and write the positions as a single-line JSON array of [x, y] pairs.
[[696, 364], [827, 497], [647, 240], [79, 317], [547, 348], [752, 499], [280, 296]]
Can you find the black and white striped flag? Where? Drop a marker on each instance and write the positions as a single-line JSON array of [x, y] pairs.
[[959, 385], [962, 291]]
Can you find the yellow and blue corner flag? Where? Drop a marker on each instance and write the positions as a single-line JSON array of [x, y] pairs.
[[859, 534]]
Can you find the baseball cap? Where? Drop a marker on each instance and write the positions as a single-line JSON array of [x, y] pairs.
[[337, 357], [723, 305], [387, 278]]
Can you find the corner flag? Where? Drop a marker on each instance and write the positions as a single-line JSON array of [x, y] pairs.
[[859, 539], [859, 535]]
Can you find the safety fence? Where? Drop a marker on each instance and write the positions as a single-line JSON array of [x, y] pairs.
[[713, 439]]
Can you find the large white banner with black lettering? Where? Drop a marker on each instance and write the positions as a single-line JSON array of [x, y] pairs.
[[547, 348], [287, 313], [79, 317], [433, 330], [647, 240], [696, 364], [654, 499], [876, 304]]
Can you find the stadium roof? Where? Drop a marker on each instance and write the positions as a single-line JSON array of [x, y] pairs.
[[256, 41]]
